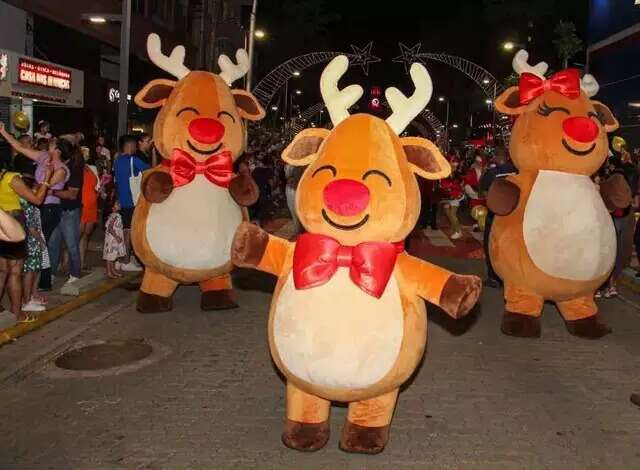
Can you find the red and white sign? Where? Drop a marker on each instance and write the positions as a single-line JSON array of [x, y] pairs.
[[39, 74]]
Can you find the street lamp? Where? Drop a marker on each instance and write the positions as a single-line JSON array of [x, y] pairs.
[[441, 99], [274, 108], [97, 19], [298, 92], [296, 73], [486, 81], [508, 46], [455, 126], [260, 34]]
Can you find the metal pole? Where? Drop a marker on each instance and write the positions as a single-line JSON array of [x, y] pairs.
[[125, 33], [252, 38], [447, 125]]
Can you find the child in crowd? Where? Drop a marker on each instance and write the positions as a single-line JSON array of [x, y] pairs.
[[37, 258], [452, 194], [114, 246]]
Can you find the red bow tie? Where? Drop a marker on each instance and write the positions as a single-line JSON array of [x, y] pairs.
[[317, 258], [566, 82], [183, 168]]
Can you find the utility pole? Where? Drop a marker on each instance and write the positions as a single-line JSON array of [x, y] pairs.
[[252, 38], [125, 36]]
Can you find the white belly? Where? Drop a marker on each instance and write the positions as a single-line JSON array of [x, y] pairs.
[[194, 227], [568, 231], [336, 335]]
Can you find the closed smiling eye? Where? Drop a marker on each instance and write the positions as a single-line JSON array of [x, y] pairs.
[[377, 173], [545, 110], [225, 113], [598, 116], [187, 110], [330, 168]]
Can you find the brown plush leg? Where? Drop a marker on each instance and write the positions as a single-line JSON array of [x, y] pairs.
[[218, 294], [307, 427], [522, 313], [582, 319], [155, 293], [367, 428]]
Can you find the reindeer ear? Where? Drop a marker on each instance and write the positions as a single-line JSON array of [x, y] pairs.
[[425, 158], [609, 121], [509, 102], [304, 148], [248, 106], [155, 93]]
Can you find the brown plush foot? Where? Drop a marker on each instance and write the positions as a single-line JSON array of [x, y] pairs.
[[521, 326], [218, 300], [635, 399], [363, 440], [149, 303], [589, 328], [460, 294], [304, 436]]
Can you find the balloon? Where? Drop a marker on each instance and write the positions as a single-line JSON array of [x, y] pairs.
[[618, 144], [21, 121]]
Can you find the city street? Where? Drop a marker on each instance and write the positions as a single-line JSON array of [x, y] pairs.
[[209, 397]]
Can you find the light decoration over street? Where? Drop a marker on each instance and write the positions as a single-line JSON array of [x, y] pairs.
[[364, 57]]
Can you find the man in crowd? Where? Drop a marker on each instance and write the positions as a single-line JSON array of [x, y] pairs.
[[144, 146]]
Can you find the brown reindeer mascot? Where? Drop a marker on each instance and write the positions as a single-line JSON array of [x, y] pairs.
[[553, 237], [347, 321], [191, 204]]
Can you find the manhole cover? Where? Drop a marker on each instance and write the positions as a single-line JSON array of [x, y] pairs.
[[105, 355]]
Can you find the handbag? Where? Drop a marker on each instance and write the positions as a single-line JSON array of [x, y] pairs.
[[135, 183]]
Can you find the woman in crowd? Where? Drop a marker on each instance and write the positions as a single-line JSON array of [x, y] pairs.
[[452, 195], [89, 217]]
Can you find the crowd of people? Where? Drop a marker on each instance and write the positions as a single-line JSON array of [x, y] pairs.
[[55, 187]]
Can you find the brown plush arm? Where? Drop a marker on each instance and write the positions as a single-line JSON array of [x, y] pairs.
[[453, 293], [252, 247], [503, 196], [157, 185], [244, 190], [616, 193]]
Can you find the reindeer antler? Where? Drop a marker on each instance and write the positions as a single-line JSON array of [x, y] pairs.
[[521, 65], [174, 64], [232, 72], [338, 101], [405, 109], [589, 85]]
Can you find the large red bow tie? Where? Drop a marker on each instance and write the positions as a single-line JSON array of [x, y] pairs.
[[183, 168], [566, 82], [317, 258]]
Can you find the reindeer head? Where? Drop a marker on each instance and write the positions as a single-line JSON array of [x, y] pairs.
[[200, 114], [559, 127], [360, 184]]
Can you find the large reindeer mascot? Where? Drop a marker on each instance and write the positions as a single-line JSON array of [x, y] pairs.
[[553, 238], [191, 204], [347, 321]]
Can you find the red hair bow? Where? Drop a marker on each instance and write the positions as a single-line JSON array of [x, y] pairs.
[[566, 82], [183, 168]]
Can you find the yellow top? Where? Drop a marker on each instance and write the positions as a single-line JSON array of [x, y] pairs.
[[9, 199]]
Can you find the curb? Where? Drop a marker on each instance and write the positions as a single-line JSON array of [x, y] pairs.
[[21, 329]]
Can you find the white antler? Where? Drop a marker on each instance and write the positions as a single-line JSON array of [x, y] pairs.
[[174, 64], [521, 65], [338, 101], [589, 85], [231, 72], [406, 109]]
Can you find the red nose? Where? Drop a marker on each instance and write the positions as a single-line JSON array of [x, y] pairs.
[[206, 131], [581, 129], [346, 197]]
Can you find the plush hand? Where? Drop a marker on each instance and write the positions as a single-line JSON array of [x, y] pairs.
[[157, 187], [460, 294], [616, 193], [503, 197], [244, 190], [249, 245]]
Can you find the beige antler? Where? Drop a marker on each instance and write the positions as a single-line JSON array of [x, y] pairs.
[[406, 109], [521, 65], [231, 72], [338, 101], [173, 64], [589, 85]]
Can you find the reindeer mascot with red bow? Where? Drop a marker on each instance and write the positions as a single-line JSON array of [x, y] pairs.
[[553, 237], [347, 321], [192, 204]]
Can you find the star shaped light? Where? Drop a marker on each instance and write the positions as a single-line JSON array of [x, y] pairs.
[[408, 55], [364, 57]]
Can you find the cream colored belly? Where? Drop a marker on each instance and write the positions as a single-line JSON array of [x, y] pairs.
[[194, 227], [568, 231], [337, 336]]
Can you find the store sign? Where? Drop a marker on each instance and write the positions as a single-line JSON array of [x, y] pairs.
[[39, 74], [4, 66], [114, 95]]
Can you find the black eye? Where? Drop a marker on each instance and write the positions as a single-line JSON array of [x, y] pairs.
[[598, 116], [378, 173], [545, 110], [184, 110], [331, 168], [224, 113]]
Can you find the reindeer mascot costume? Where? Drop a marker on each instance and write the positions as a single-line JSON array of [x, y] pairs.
[[347, 321], [191, 204], [553, 237]]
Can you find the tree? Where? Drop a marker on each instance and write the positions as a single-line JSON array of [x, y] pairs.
[[567, 42]]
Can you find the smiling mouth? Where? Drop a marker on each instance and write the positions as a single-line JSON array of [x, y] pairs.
[[203, 152], [580, 153], [344, 227]]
